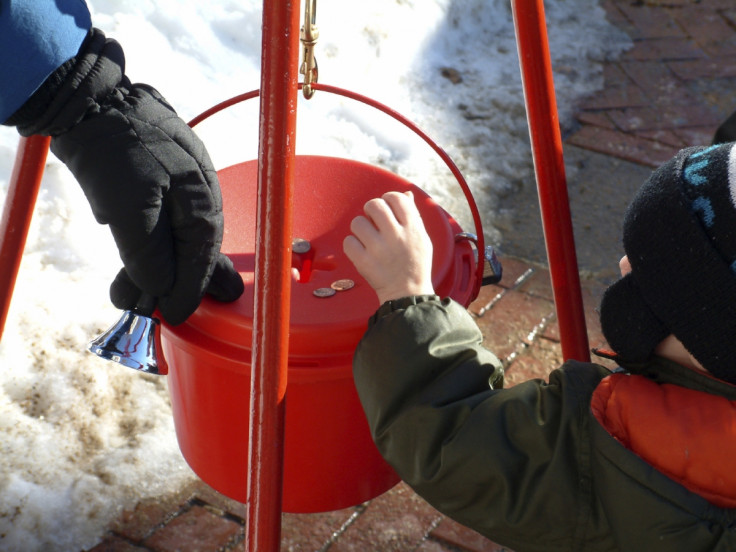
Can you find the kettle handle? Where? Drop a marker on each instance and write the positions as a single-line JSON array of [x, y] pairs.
[[479, 237]]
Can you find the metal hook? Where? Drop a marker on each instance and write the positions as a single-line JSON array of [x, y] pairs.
[[492, 269], [309, 35]]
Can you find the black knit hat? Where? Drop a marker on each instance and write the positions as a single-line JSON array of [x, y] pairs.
[[680, 238]]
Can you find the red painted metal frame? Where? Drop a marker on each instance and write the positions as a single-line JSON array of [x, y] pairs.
[[277, 140], [25, 182], [544, 130]]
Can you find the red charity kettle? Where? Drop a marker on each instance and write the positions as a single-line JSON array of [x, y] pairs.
[[330, 460]]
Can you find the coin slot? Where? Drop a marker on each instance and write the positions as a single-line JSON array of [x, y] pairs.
[[307, 263], [325, 263], [302, 262]]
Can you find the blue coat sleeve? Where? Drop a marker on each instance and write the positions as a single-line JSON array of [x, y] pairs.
[[36, 37]]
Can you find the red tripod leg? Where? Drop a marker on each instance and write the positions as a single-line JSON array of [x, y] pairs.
[[17, 213], [544, 130]]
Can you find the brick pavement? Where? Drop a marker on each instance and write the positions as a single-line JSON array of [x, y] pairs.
[[670, 90]]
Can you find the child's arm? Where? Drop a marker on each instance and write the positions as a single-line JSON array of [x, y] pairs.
[[390, 247], [503, 462]]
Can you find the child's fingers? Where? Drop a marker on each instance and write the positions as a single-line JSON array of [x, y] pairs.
[[380, 214], [364, 230], [403, 207], [353, 249]]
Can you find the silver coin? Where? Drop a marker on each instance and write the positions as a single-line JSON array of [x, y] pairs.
[[324, 292], [300, 245], [342, 285]]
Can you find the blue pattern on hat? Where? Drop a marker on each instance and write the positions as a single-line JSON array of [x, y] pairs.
[[692, 173], [704, 151], [705, 208], [701, 189]]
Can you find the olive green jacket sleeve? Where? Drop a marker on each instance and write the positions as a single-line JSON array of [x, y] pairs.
[[513, 464]]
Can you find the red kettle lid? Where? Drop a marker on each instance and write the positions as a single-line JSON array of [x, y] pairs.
[[328, 193]]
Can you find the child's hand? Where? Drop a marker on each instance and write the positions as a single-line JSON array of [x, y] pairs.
[[390, 247]]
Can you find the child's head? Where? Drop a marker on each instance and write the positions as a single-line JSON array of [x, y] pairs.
[[680, 238]]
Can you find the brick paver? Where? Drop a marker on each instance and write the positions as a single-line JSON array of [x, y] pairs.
[[457, 535], [393, 522], [198, 529], [671, 89]]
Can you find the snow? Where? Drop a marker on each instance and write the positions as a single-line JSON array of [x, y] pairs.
[[82, 439]]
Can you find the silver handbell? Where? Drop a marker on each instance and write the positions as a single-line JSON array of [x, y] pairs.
[[132, 340]]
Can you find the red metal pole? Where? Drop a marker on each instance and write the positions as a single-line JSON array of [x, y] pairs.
[[279, 72], [25, 181], [544, 129]]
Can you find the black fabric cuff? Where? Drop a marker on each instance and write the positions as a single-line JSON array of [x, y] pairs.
[[41, 99], [73, 89]]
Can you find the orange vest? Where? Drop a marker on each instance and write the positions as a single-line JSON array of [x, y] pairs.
[[688, 435]]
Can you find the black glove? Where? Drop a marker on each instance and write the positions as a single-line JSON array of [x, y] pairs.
[[144, 172]]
